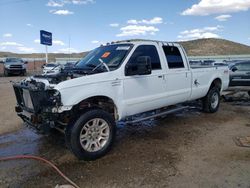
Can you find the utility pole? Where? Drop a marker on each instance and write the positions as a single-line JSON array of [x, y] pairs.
[[69, 49], [46, 48]]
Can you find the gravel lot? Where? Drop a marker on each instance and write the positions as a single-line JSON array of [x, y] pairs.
[[186, 149], [9, 120]]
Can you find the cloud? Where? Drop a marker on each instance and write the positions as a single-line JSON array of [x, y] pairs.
[[61, 3], [29, 25], [10, 44], [136, 30], [114, 25], [95, 41], [68, 50], [54, 42], [61, 12], [206, 32], [223, 17], [208, 7], [79, 2], [7, 35], [132, 22], [153, 21], [37, 41], [58, 42], [53, 3], [24, 49]]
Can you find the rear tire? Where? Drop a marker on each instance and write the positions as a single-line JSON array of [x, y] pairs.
[[91, 136], [211, 101]]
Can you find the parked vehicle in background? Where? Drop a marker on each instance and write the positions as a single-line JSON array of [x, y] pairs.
[[69, 65], [240, 73], [112, 83], [51, 68], [208, 62], [15, 66]]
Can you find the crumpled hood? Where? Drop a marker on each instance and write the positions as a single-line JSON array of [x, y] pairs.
[[88, 79]]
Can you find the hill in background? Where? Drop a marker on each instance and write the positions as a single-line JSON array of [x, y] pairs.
[[51, 56], [200, 47], [207, 47]]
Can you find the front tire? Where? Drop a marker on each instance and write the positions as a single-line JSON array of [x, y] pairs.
[[23, 73], [5, 73], [92, 135], [211, 101]]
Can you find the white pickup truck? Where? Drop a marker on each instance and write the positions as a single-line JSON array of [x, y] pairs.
[[114, 82]]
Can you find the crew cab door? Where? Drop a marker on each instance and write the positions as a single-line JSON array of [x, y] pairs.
[[178, 75], [144, 92]]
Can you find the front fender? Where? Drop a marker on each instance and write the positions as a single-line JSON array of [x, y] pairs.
[[74, 95]]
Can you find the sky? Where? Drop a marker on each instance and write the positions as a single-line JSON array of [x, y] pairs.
[[81, 25]]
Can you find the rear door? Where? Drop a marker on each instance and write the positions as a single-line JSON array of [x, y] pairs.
[[241, 75], [178, 76]]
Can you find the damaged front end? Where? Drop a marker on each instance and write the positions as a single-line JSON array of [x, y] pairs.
[[37, 104]]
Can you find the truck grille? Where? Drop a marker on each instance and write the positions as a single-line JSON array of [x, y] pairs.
[[27, 99], [24, 99], [16, 66], [30, 99]]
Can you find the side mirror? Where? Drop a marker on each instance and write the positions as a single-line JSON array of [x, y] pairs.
[[25, 62], [234, 69], [42, 66], [1, 62], [142, 66]]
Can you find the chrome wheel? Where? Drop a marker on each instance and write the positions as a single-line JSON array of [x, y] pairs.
[[94, 135], [214, 100]]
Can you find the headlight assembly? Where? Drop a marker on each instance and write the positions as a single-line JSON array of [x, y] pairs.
[[54, 97]]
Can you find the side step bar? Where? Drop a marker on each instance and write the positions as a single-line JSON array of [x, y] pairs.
[[157, 114]]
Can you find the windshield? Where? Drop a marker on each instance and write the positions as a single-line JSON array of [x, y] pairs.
[[13, 60], [111, 55], [50, 65]]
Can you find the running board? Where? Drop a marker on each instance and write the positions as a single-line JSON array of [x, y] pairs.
[[157, 114]]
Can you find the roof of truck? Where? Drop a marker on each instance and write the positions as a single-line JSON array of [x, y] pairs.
[[144, 40]]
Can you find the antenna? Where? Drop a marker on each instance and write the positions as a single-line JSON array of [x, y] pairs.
[[69, 49]]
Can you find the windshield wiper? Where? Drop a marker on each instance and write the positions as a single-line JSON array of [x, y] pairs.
[[101, 63]]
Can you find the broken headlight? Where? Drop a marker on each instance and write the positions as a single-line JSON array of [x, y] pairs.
[[54, 97]]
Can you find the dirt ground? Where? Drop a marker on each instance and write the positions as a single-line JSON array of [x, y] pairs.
[[185, 149], [8, 119]]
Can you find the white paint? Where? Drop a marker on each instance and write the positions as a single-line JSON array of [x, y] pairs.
[[140, 93]]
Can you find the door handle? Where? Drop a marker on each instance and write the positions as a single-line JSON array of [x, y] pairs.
[[160, 76]]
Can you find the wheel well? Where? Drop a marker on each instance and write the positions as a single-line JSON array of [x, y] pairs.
[[102, 102], [216, 83]]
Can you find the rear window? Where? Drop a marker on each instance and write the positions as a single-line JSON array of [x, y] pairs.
[[174, 58]]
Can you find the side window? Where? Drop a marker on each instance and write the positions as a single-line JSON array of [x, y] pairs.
[[173, 56], [243, 66], [146, 50]]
